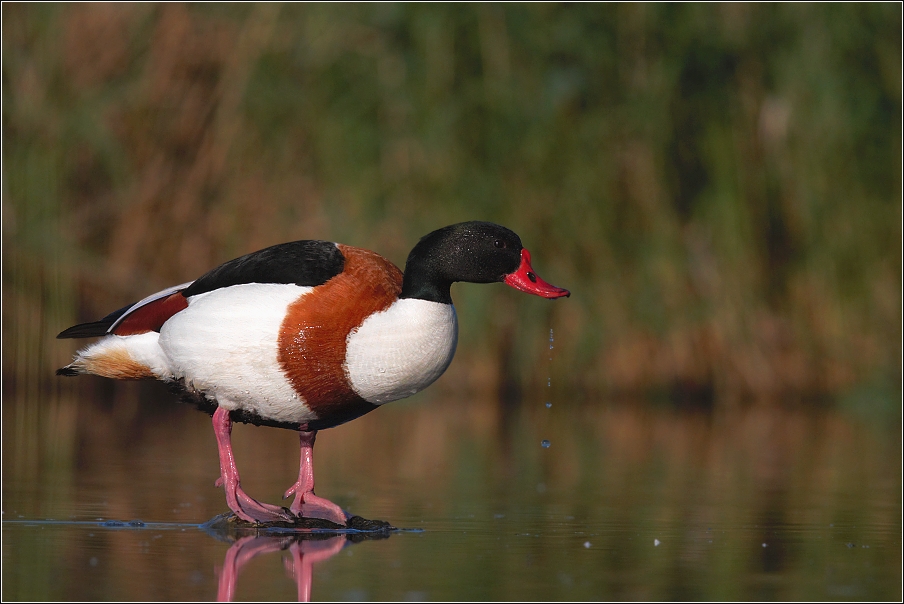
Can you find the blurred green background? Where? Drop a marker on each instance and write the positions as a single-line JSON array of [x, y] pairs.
[[718, 185]]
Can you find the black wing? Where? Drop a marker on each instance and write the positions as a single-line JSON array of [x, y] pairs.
[[96, 328], [144, 315], [307, 263]]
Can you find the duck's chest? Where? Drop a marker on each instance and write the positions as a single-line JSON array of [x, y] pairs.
[[343, 372], [402, 350], [388, 355]]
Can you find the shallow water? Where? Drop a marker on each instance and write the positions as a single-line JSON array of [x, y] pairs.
[[629, 501]]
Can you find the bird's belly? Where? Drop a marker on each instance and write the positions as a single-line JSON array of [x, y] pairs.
[[225, 346], [402, 350]]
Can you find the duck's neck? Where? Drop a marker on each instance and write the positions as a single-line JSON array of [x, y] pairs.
[[426, 273], [420, 284]]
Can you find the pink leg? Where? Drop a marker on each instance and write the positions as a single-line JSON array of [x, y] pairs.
[[244, 506], [306, 503]]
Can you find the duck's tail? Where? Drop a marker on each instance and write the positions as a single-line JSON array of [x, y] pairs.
[[134, 357]]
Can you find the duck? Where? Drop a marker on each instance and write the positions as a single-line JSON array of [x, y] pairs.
[[305, 336]]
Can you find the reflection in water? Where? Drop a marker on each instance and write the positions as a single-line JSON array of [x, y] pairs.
[[306, 547]]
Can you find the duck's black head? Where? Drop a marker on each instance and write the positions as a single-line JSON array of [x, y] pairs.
[[477, 252]]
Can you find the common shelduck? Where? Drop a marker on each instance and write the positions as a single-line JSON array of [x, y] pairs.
[[304, 335]]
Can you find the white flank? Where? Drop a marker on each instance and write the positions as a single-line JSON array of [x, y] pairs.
[[402, 350], [225, 346]]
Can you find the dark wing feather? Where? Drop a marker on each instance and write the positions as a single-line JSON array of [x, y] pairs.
[[306, 263], [147, 315], [95, 328]]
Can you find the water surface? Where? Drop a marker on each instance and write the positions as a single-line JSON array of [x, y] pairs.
[[630, 501]]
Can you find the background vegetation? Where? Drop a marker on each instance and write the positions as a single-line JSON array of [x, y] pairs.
[[718, 185]]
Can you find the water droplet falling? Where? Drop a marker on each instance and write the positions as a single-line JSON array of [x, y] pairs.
[[548, 404], [545, 443]]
